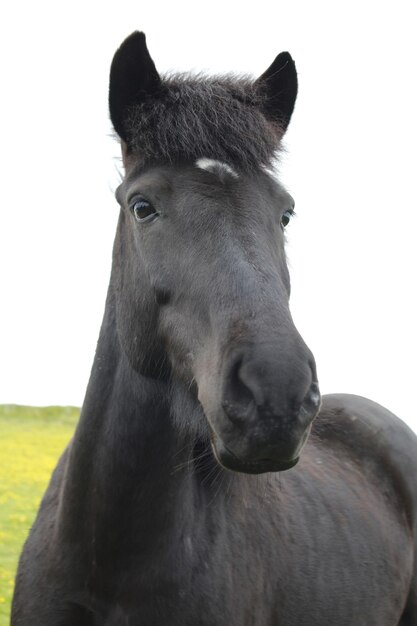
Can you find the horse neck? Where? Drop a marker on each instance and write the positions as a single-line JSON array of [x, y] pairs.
[[120, 476]]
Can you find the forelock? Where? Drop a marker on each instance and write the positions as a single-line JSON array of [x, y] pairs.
[[194, 117]]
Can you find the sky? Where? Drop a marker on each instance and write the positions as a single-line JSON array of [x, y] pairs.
[[349, 163]]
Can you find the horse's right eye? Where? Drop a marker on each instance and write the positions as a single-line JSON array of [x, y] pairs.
[[143, 210]]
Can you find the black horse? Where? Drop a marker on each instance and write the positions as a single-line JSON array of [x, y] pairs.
[[170, 506]]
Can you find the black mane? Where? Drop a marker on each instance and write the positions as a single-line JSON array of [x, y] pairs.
[[198, 116]]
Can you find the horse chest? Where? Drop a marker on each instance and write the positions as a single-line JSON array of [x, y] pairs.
[[232, 582]]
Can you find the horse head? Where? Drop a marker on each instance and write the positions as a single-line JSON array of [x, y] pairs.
[[200, 269]]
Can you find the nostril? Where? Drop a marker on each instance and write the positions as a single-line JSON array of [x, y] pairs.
[[313, 397], [311, 404], [162, 296], [238, 399]]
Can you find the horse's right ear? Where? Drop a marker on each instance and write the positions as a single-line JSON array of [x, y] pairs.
[[133, 78]]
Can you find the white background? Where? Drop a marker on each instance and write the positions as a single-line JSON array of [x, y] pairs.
[[350, 164]]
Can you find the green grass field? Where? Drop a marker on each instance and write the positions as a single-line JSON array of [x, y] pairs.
[[31, 441]]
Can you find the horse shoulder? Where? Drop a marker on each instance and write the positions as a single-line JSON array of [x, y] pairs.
[[354, 428]]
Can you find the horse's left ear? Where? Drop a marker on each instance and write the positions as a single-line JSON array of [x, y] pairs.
[[279, 87], [133, 79]]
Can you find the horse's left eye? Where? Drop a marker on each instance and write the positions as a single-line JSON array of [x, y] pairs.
[[143, 210], [285, 219]]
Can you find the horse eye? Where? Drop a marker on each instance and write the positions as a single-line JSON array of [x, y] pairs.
[[143, 210], [285, 219]]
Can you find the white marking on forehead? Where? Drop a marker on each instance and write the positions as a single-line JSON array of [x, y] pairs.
[[211, 165]]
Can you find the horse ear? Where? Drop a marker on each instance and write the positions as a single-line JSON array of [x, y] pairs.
[[133, 78], [279, 87]]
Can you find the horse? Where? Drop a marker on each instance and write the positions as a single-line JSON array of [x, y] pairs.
[[208, 483]]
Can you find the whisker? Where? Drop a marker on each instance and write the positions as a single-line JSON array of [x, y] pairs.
[[192, 460], [181, 450], [219, 485], [214, 469]]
